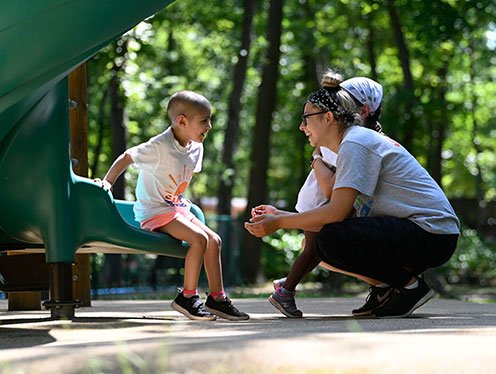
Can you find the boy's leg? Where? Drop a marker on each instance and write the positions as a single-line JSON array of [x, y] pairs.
[[212, 257], [217, 302], [189, 303], [182, 229]]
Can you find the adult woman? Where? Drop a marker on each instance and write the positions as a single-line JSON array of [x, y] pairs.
[[317, 190], [403, 225]]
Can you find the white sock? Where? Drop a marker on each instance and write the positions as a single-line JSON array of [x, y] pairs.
[[413, 285]]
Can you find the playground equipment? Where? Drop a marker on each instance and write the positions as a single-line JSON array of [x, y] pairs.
[[43, 204]]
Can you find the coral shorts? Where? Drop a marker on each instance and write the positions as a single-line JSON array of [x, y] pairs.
[[160, 220]]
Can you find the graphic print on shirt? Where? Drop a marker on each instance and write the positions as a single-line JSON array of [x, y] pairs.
[[177, 186], [394, 142], [363, 205]]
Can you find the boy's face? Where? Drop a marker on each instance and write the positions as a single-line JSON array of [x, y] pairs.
[[198, 125]]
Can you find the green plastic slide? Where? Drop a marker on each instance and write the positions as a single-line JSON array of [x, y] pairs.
[[42, 202]]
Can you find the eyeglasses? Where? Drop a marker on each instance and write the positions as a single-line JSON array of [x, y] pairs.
[[305, 116]]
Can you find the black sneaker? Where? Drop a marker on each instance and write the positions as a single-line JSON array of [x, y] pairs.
[[191, 307], [376, 298], [403, 302], [225, 309], [285, 302]]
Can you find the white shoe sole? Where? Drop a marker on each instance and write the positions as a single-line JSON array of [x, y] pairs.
[[181, 310], [429, 295], [226, 316], [370, 313]]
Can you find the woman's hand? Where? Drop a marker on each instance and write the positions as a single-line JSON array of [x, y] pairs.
[[262, 225], [265, 209]]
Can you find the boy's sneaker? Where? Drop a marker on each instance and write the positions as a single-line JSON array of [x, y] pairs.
[[403, 302], [191, 307], [224, 308], [278, 283], [284, 301], [377, 297]]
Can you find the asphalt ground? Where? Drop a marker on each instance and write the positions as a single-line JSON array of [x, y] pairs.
[[443, 336]]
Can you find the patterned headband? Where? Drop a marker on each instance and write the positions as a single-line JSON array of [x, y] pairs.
[[326, 99]]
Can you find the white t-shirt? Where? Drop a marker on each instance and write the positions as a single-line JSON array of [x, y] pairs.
[[165, 171], [310, 195], [391, 182]]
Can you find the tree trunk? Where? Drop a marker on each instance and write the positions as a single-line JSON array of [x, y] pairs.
[[118, 129], [438, 133], [112, 268], [370, 46], [408, 85], [231, 133], [101, 129], [312, 81], [479, 181], [257, 193]]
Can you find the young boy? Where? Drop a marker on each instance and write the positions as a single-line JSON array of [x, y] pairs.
[[166, 164]]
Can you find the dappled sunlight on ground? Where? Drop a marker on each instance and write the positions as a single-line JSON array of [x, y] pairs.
[[445, 336]]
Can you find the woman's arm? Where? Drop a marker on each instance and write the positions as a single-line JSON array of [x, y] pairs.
[[338, 209]]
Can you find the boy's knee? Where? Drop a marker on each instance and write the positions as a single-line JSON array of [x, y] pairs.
[[200, 238], [216, 241]]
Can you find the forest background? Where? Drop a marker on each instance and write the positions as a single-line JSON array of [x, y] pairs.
[[257, 61]]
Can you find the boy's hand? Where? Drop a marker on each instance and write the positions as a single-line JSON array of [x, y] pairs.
[[264, 209], [103, 183]]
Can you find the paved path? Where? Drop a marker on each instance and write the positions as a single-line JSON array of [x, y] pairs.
[[444, 336]]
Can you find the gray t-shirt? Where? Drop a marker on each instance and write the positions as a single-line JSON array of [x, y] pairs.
[[390, 182]]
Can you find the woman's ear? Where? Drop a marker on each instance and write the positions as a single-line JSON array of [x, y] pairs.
[[329, 118]]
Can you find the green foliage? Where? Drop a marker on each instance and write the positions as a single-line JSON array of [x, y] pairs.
[[279, 253], [474, 261], [196, 46], [187, 46]]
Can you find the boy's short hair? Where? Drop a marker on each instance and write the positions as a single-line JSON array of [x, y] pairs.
[[187, 103]]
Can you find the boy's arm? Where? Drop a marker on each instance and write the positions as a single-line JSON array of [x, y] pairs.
[[118, 167]]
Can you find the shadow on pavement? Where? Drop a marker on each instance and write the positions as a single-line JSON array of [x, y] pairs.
[[13, 338]]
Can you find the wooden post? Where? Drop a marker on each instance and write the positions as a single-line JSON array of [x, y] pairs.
[[23, 300], [79, 153]]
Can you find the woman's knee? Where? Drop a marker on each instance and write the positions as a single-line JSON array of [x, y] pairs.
[[329, 246], [323, 245]]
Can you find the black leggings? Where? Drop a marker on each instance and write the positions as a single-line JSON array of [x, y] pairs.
[[388, 249]]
